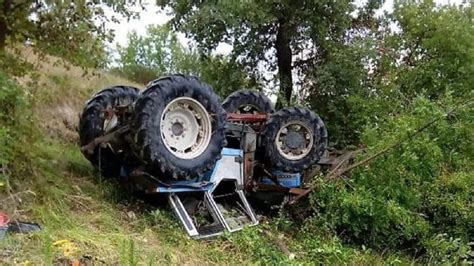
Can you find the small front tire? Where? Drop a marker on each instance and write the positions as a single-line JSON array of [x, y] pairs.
[[294, 139]]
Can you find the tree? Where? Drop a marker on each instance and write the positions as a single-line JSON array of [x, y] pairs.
[[288, 36], [71, 29], [159, 53], [431, 54]]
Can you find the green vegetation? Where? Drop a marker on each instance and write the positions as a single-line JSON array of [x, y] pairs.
[[371, 84], [16, 131], [418, 198], [47, 180], [72, 29], [93, 220], [269, 32], [160, 53]]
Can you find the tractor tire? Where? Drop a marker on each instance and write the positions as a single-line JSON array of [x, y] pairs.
[[248, 102], [294, 139], [91, 126], [178, 127]]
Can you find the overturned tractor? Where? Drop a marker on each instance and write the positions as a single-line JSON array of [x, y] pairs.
[[175, 137]]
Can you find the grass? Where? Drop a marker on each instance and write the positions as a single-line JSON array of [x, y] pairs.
[[96, 220]]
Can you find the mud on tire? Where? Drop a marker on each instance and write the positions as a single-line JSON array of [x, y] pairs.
[[294, 139], [91, 126], [167, 117], [248, 101]]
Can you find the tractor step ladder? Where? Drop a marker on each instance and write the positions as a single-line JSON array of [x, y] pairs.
[[222, 200]]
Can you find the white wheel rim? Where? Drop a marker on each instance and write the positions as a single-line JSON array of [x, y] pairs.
[[185, 128], [305, 135]]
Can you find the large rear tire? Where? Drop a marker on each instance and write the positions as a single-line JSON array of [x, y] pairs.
[[178, 127], [93, 123], [294, 139], [248, 102]]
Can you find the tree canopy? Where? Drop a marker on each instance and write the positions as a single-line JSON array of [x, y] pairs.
[[73, 29], [285, 36]]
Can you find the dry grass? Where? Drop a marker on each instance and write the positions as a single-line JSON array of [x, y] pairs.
[[60, 91]]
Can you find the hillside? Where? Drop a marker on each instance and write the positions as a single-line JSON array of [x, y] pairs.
[[95, 219], [45, 179], [92, 218], [68, 199]]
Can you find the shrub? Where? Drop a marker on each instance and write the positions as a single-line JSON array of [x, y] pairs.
[[407, 197], [17, 130]]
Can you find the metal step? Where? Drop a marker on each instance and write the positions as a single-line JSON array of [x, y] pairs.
[[232, 216], [182, 214], [225, 207]]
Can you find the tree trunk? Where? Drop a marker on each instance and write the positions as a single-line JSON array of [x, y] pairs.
[[3, 35], [4, 12], [284, 58]]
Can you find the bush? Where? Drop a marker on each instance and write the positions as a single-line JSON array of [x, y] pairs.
[[407, 197], [449, 204], [17, 130]]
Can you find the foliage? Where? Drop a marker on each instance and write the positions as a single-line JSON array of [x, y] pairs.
[[281, 35], [331, 89], [407, 198], [17, 131], [13, 65], [71, 29], [159, 52], [431, 54], [262, 249], [440, 51]]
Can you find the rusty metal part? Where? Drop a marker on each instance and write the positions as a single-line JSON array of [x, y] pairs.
[[334, 158], [247, 118], [111, 111], [275, 188], [90, 147], [108, 112], [297, 191]]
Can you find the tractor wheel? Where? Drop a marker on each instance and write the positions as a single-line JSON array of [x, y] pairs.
[[248, 102], [93, 123], [294, 139], [179, 127]]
